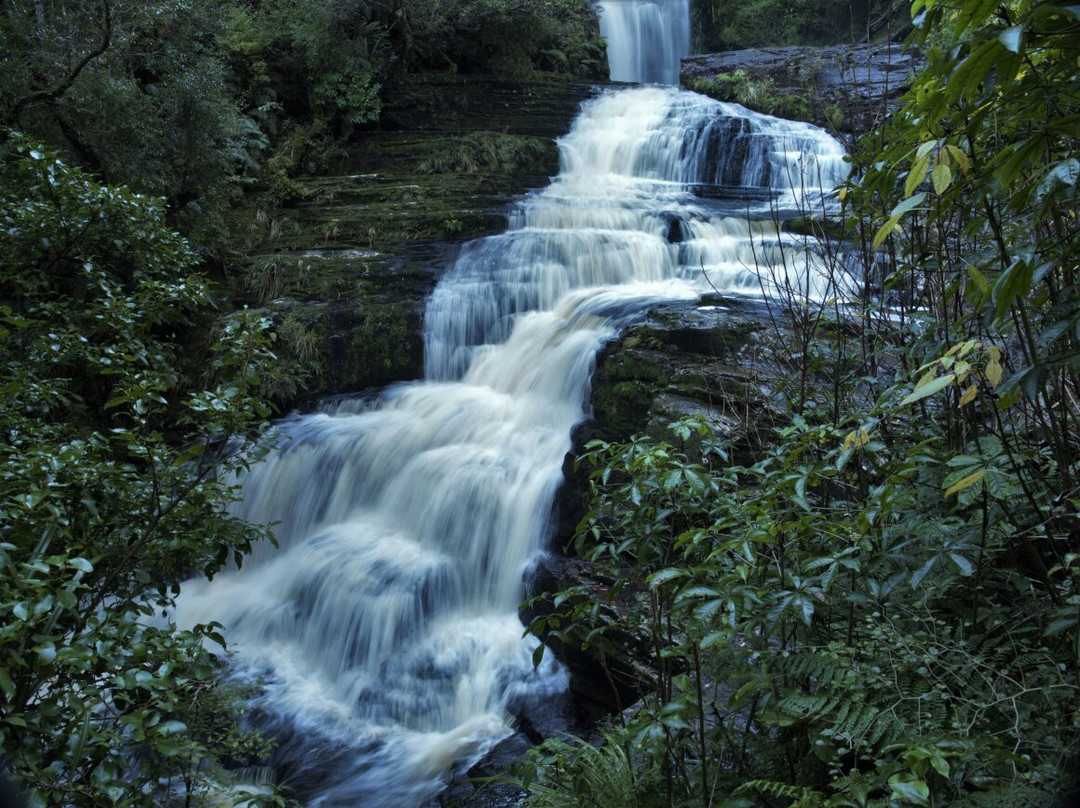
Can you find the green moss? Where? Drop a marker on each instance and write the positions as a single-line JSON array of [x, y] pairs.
[[624, 387], [383, 345], [758, 94], [487, 153]]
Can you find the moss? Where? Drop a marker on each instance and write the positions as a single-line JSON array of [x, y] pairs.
[[383, 345], [624, 387], [328, 254], [758, 94]]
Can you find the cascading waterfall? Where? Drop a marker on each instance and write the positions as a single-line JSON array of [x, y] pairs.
[[384, 628]]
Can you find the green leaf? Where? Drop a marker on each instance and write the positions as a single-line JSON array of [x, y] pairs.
[[1013, 283], [941, 177], [908, 789], [928, 389], [917, 174], [922, 572], [665, 575], [966, 482], [884, 231], [962, 563], [909, 204]]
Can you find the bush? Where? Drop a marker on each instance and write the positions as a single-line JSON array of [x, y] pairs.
[[114, 482]]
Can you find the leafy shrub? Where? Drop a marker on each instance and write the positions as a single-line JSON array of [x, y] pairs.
[[113, 488]]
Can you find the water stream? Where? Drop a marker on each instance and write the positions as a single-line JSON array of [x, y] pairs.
[[384, 628]]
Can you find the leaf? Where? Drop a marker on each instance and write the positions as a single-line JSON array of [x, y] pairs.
[[969, 395], [909, 790], [1064, 174], [922, 572], [962, 563], [924, 389], [972, 71], [917, 174], [941, 176], [966, 482], [884, 231], [897, 213], [663, 576], [1013, 283], [960, 156], [856, 438]]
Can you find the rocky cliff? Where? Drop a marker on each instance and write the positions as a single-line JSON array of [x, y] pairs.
[[845, 88]]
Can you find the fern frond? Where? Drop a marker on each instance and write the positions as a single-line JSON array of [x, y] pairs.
[[801, 796]]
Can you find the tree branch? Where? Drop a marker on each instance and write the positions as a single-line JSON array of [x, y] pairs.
[[59, 90]]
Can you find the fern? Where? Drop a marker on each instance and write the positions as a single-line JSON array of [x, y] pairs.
[[576, 774], [801, 796]]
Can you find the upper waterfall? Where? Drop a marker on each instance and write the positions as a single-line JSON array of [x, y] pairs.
[[647, 39]]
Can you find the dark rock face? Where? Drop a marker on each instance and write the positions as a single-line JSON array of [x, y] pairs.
[[861, 82], [708, 358]]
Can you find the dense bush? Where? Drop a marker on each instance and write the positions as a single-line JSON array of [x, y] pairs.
[[118, 443], [196, 100], [509, 37]]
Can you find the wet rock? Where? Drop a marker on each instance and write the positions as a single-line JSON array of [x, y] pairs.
[[849, 88], [702, 358]]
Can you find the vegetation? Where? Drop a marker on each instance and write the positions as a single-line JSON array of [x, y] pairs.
[[756, 94], [132, 395], [119, 442], [880, 609], [729, 25]]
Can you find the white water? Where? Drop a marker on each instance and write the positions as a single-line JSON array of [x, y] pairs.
[[385, 625], [646, 38]]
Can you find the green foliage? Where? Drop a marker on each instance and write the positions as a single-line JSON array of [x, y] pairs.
[[136, 92], [760, 95], [728, 25], [114, 485], [487, 153], [196, 101], [508, 37], [575, 774]]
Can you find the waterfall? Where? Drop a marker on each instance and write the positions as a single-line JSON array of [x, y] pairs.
[[383, 629], [646, 38]]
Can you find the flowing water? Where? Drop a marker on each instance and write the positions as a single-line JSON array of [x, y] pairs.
[[646, 38], [384, 628]]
